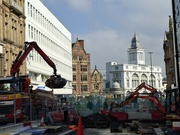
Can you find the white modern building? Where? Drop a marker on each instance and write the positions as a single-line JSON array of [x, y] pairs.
[[131, 75], [54, 39]]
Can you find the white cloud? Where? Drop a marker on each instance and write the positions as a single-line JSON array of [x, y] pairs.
[[80, 5]]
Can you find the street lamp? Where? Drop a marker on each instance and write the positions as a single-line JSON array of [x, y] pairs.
[[151, 67]]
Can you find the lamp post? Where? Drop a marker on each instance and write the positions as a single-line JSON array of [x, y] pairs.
[[150, 53]]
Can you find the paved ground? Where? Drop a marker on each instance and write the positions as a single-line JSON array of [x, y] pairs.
[[94, 131]]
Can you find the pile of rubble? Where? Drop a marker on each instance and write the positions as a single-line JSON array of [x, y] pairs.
[[97, 121]]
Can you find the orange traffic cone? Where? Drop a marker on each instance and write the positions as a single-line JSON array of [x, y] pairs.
[[80, 127], [42, 121]]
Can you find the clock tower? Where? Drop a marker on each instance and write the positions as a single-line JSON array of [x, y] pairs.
[[136, 54]]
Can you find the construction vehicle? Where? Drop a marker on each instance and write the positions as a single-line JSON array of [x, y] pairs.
[[16, 91], [149, 96], [55, 81], [158, 114]]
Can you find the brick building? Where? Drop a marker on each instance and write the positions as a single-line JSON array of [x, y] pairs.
[[12, 34], [81, 69]]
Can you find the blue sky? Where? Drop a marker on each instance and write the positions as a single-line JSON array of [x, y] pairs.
[[107, 27]]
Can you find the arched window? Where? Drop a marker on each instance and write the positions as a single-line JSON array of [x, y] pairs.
[[135, 80], [152, 80], [144, 78]]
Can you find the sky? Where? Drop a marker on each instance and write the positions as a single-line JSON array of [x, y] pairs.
[[108, 26]]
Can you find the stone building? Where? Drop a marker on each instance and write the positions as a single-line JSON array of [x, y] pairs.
[[97, 82], [131, 75], [169, 56], [12, 34], [81, 69]]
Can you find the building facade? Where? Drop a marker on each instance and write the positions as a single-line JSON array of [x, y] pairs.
[[12, 34], [169, 56], [81, 69], [97, 82], [131, 75], [54, 39]]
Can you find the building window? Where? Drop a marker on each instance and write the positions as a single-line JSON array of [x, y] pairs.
[[143, 68], [83, 67], [84, 88], [74, 87], [134, 67], [144, 78], [80, 58], [83, 77], [74, 77], [74, 67], [128, 83], [116, 67], [135, 80], [43, 78], [31, 10], [127, 74], [31, 32], [152, 80]]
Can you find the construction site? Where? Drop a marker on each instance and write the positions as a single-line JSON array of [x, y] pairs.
[[25, 110], [44, 115]]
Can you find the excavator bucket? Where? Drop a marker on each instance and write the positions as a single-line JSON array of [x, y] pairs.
[[55, 81]]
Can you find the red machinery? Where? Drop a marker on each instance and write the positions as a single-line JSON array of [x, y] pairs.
[[55, 81], [15, 91], [156, 115], [149, 96]]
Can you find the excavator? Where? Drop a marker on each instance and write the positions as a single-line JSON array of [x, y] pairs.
[[149, 96], [16, 91], [55, 81]]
